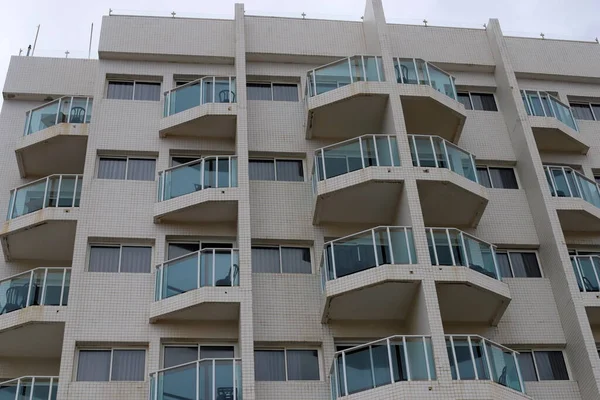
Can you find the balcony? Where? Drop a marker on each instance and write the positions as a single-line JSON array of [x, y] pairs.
[[198, 286], [32, 312], [353, 172], [199, 191], [51, 131], [30, 387], [577, 199], [553, 124], [207, 379], [203, 108], [449, 189], [368, 275], [473, 357], [346, 98], [42, 215], [429, 99], [475, 285], [386, 362], [587, 274]]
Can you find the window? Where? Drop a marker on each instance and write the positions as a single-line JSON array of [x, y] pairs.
[[286, 365], [276, 170], [543, 366], [273, 259], [478, 101], [117, 258], [103, 365], [497, 177], [133, 90], [178, 249], [586, 111], [518, 264], [272, 91], [174, 355], [132, 169]]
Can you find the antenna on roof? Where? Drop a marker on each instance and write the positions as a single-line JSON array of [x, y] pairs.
[[484, 26], [173, 14], [35, 41], [425, 22], [597, 40], [303, 15], [90, 48], [542, 35], [109, 12]]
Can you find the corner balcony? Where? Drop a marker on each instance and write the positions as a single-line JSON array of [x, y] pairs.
[[449, 189], [385, 363], [203, 285], [475, 358], [30, 387], [33, 306], [203, 108], [51, 131], [429, 99], [553, 124], [42, 215], [576, 198], [345, 98], [203, 190], [468, 280], [206, 379], [587, 274], [367, 276], [354, 172]]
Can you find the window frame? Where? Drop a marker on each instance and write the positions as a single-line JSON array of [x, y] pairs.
[[509, 251], [126, 158], [471, 99], [285, 349], [589, 104], [110, 369], [272, 83], [487, 167], [120, 245], [108, 82], [275, 159], [279, 246], [537, 374], [235, 346]]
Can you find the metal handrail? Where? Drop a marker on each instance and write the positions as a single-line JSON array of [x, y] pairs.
[[206, 249], [551, 98], [360, 346], [230, 87], [194, 362], [365, 231], [352, 140], [427, 65]]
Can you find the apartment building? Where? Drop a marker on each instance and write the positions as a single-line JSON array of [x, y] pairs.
[[275, 208]]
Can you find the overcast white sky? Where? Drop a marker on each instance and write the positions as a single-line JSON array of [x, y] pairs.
[[65, 25]]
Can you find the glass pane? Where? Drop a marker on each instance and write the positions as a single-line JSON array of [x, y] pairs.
[[422, 72], [223, 268], [29, 199], [398, 360], [269, 365], [504, 265], [216, 352], [582, 111], [465, 100], [560, 182], [183, 180], [112, 168], [589, 190], [302, 365], [141, 169], [36, 287], [178, 355], [180, 276], [120, 90], [88, 116], [401, 247], [43, 118], [405, 71], [354, 254], [429, 352], [295, 260], [93, 366], [78, 111], [67, 191], [441, 81], [223, 172], [443, 249], [563, 113], [596, 110], [65, 297], [359, 375], [425, 157], [224, 387], [464, 360], [147, 91], [479, 358], [210, 173], [13, 293], [371, 66], [128, 365], [8, 391], [369, 153], [332, 76], [484, 177], [535, 103], [480, 256], [53, 289], [461, 162], [223, 93], [504, 367], [416, 359], [136, 259], [527, 366], [342, 159], [25, 389], [178, 383], [387, 151], [503, 178], [206, 268], [261, 170], [184, 98], [290, 170], [265, 259], [181, 249], [41, 389], [356, 67]]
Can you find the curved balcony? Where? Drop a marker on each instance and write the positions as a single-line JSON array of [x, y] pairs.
[[577, 199], [205, 107], [468, 288], [362, 274], [385, 362], [449, 189], [552, 122], [32, 305], [42, 215], [30, 387], [353, 172], [473, 357], [199, 285], [199, 191], [345, 98], [51, 131], [206, 379], [429, 99], [587, 274]]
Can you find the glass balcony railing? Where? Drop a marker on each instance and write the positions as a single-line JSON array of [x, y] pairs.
[[344, 72], [207, 379], [542, 104], [566, 182], [30, 388], [587, 272], [368, 249], [435, 152], [72, 110], [200, 174], [354, 154], [207, 267], [452, 247], [52, 191], [473, 357], [38, 287], [210, 89], [383, 362], [414, 71]]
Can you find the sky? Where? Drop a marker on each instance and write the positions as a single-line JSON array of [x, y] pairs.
[[65, 25]]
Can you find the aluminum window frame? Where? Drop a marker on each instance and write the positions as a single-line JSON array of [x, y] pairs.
[[272, 83], [509, 251], [111, 350], [120, 245], [199, 345], [285, 349], [487, 167], [134, 81], [470, 93], [279, 246], [590, 105], [544, 349], [126, 158], [275, 159]]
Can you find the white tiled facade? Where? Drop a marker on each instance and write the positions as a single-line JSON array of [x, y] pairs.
[[115, 310]]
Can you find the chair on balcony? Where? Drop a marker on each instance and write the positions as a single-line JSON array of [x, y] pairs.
[[402, 77], [233, 273], [224, 96], [225, 393], [589, 286], [77, 115], [16, 298]]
